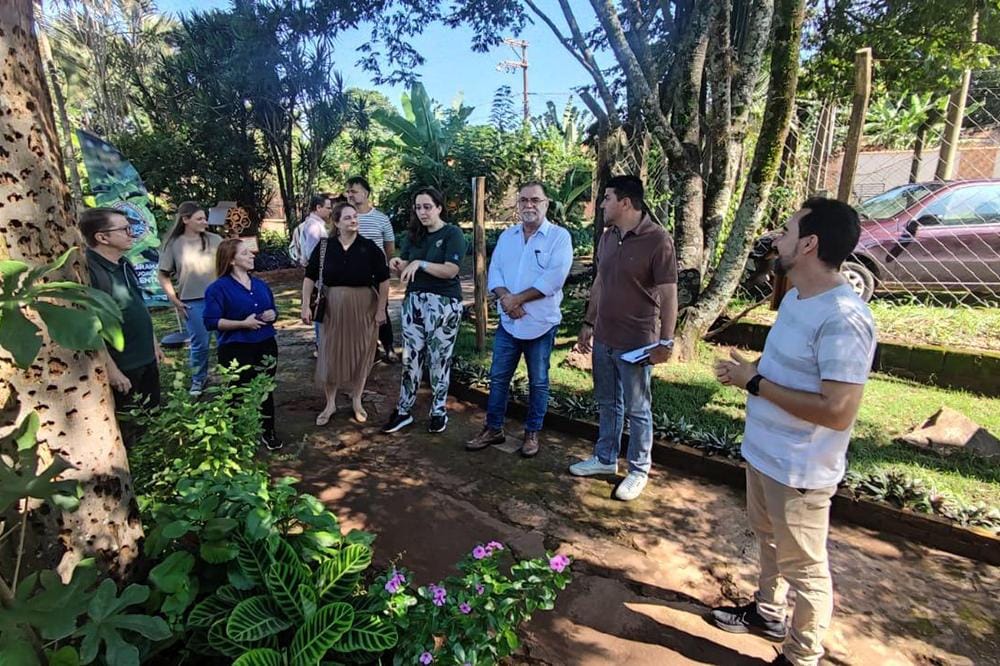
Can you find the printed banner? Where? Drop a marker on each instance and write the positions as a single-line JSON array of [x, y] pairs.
[[115, 183]]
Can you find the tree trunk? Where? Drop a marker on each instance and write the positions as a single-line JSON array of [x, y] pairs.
[[786, 40], [70, 391]]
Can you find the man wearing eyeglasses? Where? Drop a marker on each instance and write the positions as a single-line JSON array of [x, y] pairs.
[[134, 371], [527, 271]]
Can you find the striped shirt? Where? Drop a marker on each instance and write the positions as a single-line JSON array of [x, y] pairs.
[[830, 336], [375, 226]]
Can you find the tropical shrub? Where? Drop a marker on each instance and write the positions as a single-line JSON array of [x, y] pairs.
[[218, 433], [276, 582]]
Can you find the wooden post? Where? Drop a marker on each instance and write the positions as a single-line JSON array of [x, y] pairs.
[[479, 241], [953, 123], [859, 109]]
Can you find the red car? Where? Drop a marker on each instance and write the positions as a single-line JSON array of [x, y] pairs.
[[942, 237]]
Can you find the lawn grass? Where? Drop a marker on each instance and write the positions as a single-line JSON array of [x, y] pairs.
[[890, 408], [930, 321]]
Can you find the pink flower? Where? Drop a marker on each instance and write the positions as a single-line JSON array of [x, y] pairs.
[[395, 583], [480, 589], [479, 552], [465, 608], [558, 562], [493, 546], [426, 658], [439, 594]]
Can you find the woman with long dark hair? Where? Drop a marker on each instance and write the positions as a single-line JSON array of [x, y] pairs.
[[351, 271], [242, 309], [187, 257], [432, 309]]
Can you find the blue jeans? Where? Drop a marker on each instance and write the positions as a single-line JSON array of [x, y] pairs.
[[622, 388], [199, 342], [507, 352]]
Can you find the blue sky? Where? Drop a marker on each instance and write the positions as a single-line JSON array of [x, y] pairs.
[[452, 68]]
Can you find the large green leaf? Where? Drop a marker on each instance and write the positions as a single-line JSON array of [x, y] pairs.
[[107, 618], [254, 619], [320, 633], [222, 643], [208, 611], [261, 657], [173, 573], [19, 336], [39, 272], [340, 574], [254, 559], [49, 605], [368, 633], [25, 481], [69, 327], [283, 581], [218, 552]]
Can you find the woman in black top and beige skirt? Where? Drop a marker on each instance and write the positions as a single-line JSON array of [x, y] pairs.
[[356, 280]]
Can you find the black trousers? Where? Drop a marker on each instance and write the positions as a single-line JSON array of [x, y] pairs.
[[145, 392], [385, 335], [252, 354]]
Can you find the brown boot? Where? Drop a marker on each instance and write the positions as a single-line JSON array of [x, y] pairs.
[[529, 449], [487, 437]]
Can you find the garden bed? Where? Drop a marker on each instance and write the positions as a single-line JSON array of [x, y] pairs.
[[929, 530], [690, 406]]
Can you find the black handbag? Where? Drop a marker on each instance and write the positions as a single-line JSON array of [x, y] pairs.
[[317, 302]]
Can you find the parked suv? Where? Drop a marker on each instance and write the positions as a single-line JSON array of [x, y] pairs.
[[942, 237]]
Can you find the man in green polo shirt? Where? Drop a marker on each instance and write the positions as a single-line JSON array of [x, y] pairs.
[[134, 371]]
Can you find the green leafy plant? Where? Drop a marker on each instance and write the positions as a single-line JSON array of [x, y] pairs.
[[219, 432], [76, 316], [278, 582], [471, 618]]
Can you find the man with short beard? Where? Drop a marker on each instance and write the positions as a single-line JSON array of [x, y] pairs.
[[527, 271], [805, 391]]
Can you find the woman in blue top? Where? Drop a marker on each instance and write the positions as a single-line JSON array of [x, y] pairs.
[[241, 308]]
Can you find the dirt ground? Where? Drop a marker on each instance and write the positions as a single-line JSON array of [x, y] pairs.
[[645, 572]]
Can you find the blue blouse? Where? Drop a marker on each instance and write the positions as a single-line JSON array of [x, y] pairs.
[[228, 299]]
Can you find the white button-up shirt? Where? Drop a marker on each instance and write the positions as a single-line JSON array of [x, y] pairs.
[[543, 263]]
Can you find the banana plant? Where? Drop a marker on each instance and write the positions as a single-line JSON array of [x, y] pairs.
[[573, 189], [425, 136]]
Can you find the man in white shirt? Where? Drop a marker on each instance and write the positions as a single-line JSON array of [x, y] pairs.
[[374, 225], [805, 391], [527, 271], [314, 226]]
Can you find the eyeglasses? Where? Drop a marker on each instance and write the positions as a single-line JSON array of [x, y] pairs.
[[127, 229], [534, 201]]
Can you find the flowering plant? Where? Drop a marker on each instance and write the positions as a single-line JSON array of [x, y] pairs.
[[471, 618]]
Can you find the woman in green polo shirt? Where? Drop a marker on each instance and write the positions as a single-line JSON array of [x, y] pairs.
[[432, 308]]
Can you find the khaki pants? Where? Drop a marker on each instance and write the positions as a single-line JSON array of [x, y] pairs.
[[791, 527]]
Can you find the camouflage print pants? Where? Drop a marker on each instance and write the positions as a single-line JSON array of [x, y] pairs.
[[430, 327]]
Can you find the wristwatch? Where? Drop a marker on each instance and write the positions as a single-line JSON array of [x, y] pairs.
[[666, 343], [423, 265], [753, 386]]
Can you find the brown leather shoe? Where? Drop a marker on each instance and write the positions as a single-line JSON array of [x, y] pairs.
[[529, 449], [487, 437]]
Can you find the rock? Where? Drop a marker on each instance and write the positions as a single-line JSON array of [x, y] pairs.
[[575, 359], [948, 431]]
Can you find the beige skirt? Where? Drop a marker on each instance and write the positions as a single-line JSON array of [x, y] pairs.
[[348, 338]]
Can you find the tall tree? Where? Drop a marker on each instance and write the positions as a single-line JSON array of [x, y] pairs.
[[69, 390], [689, 71]]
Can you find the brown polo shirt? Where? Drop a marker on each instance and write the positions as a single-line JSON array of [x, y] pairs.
[[630, 268]]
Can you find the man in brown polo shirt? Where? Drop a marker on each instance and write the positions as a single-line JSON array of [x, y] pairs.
[[633, 303]]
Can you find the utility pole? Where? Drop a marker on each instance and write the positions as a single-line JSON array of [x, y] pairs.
[[522, 64]]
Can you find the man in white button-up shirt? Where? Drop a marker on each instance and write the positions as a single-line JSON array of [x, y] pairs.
[[527, 271]]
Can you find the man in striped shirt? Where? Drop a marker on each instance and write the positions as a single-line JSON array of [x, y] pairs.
[[804, 394], [374, 225]]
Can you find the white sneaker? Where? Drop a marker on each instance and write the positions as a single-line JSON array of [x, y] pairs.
[[631, 486], [592, 466]]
